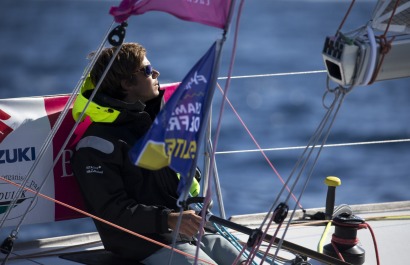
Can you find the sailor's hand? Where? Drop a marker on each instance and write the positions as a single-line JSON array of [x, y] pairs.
[[190, 223]]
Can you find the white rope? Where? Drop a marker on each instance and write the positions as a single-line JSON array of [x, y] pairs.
[[276, 74], [46, 145], [303, 147]]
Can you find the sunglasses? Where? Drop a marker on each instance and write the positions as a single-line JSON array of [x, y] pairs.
[[147, 70]]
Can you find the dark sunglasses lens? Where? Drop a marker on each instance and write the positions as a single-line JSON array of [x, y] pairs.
[[148, 70]]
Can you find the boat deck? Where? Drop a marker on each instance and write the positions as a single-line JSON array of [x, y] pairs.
[[389, 221]]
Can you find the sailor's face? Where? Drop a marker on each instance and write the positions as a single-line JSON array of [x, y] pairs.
[[146, 86]]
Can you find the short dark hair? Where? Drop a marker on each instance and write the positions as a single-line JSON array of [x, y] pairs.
[[128, 60]]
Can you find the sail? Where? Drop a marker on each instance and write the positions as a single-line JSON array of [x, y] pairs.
[[173, 139], [396, 10], [212, 13]]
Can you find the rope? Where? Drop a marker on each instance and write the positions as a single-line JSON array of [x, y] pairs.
[[376, 250], [257, 144], [323, 237], [323, 130], [234, 241], [256, 248], [378, 218], [345, 17], [303, 147], [385, 45], [275, 74], [353, 241], [272, 239], [99, 219], [44, 148], [337, 251], [288, 180], [47, 143], [338, 91], [344, 241], [218, 128]]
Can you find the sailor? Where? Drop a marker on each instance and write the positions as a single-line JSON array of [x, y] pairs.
[[114, 189]]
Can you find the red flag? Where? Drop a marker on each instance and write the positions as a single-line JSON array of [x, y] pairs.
[[209, 12]]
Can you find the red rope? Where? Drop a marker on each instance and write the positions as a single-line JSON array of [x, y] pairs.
[[345, 17], [337, 251], [100, 219], [385, 45], [376, 251], [260, 148], [344, 241], [391, 17], [354, 241]]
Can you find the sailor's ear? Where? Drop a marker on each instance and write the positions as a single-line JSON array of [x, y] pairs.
[[126, 84]]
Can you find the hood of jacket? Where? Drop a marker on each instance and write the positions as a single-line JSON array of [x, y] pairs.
[[106, 109]]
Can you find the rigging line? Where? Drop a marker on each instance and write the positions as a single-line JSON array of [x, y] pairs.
[[63, 114], [47, 144], [270, 212], [324, 237], [312, 142], [293, 186], [274, 74], [393, 12], [314, 139], [174, 238], [227, 85], [43, 149], [100, 219], [61, 117], [205, 132], [217, 184], [314, 136], [218, 128], [319, 133], [256, 143], [327, 133], [269, 246], [385, 45], [345, 17], [303, 147]]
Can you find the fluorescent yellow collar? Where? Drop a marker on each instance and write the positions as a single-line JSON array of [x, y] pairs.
[[96, 112]]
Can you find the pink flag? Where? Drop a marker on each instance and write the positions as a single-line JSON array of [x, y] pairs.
[[169, 90], [209, 12]]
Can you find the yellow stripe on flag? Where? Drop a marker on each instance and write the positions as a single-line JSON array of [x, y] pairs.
[[153, 156]]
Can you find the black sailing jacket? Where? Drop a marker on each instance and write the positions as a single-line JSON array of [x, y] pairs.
[[118, 191]]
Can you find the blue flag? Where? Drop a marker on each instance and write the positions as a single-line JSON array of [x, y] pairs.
[[174, 137]]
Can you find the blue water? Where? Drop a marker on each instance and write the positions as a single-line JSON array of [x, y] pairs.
[[43, 50]]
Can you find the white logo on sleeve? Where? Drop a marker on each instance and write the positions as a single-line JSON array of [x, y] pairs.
[[94, 169]]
